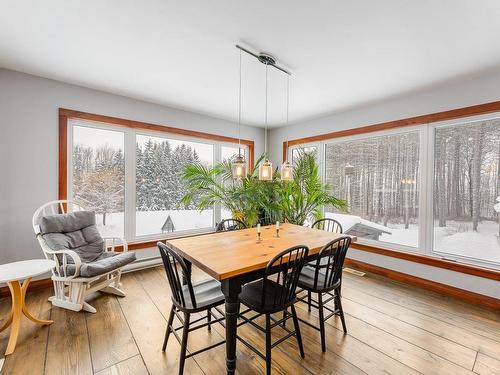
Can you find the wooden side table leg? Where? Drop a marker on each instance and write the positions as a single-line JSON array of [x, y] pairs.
[[25, 308], [17, 308]]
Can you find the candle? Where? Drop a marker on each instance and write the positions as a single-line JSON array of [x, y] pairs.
[[277, 225], [258, 228]]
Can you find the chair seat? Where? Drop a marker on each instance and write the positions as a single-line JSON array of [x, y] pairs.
[[207, 294], [322, 263], [106, 262], [306, 280], [251, 296]]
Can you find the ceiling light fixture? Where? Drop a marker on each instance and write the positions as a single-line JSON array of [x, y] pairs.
[[266, 167]]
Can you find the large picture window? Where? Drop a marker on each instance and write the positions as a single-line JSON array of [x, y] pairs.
[[466, 197], [379, 179], [130, 174], [159, 186], [98, 178], [432, 189]]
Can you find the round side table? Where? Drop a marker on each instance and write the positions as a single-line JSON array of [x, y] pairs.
[[13, 274]]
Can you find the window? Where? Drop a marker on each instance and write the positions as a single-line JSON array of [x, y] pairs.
[[129, 173], [98, 178], [159, 186], [466, 197], [379, 179], [432, 189]]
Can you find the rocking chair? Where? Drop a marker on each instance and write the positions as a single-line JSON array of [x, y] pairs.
[[85, 262]]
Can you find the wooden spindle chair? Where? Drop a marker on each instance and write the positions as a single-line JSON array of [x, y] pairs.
[[275, 292], [189, 298]]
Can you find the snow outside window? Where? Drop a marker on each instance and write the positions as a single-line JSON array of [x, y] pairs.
[[98, 177], [379, 179], [466, 190], [160, 188]]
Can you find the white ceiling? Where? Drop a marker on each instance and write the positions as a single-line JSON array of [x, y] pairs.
[[182, 54]]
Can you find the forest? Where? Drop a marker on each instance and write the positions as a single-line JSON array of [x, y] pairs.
[[379, 176], [99, 173]]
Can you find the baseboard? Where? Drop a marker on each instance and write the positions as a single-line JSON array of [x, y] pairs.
[[34, 285], [477, 299]]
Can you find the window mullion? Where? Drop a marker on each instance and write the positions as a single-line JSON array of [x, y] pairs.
[[130, 177]]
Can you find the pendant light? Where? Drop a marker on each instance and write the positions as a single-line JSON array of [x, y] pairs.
[[266, 168], [286, 167], [239, 164]]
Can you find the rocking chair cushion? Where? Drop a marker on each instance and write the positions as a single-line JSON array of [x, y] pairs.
[[106, 262], [75, 231]]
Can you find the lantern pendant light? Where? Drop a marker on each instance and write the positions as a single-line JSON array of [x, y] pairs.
[[239, 164], [286, 167], [266, 168]]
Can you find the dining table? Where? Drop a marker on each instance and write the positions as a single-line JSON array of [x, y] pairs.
[[238, 257]]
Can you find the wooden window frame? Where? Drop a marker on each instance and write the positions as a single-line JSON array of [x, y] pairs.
[[65, 115], [479, 109]]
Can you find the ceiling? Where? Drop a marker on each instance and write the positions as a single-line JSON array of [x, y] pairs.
[[342, 54]]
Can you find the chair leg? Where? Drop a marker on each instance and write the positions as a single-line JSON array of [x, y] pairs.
[[309, 301], [297, 331], [321, 321], [209, 319], [185, 332], [284, 316], [169, 324], [341, 311], [268, 344]]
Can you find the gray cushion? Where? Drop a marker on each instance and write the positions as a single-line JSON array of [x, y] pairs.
[[75, 231], [108, 261]]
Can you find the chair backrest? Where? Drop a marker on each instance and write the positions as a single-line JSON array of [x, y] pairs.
[[62, 206], [175, 267], [230, 224], [285, 269], [334, 253], [327, 224]]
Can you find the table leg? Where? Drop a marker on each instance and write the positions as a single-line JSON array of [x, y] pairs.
[[231, 289], [17, 309], [18, 294]]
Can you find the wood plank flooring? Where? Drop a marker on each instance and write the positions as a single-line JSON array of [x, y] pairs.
[[393, 328]]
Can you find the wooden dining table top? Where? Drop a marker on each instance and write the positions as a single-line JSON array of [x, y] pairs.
[[224, 255]]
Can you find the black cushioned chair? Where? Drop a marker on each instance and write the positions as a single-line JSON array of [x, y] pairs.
[[275, 292], [329, 225], [230, 224], [326, 279], [189, 298]]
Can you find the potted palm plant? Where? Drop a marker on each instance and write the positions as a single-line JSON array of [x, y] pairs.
[[254, 201]]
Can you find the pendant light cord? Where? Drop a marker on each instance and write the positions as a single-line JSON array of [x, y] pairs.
[[287, 110], [239, 113], [265, 134]]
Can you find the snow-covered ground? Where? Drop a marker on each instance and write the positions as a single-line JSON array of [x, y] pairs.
[[151, 222], [457, 238]]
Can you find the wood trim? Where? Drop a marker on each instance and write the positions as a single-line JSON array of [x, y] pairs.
[[475, 298], [66, 114], [69, 113], [34, 285], [63, 156], [486, 273], [418, 120]]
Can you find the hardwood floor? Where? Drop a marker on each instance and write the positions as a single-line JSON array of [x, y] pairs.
[[393, 328]]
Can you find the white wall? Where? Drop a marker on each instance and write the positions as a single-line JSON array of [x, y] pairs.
[[473, 90], [29, 145]]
